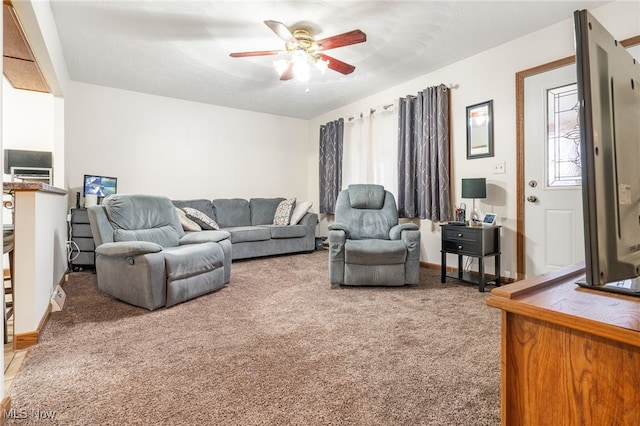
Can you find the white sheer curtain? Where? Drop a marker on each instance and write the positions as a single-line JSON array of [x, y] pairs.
[[371, 150]]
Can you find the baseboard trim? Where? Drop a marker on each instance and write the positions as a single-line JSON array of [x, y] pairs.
[[429, 265], [30, 338], [5, 406]]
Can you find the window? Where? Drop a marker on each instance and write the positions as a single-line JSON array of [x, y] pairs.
[[563, 137]]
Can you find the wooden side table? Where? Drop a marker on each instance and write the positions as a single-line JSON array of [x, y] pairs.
[[473, 241]]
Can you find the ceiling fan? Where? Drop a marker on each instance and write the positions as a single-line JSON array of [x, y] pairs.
[[304, 49]]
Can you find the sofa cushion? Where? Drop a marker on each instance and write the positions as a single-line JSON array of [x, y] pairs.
[[129, 248], [263, 210], [293, 231], [365, 196], [166, 236], [201, 204], [193, 259], [283, 212], [232, 212], [201, 219], [375, 252], [204, 237], [299, 211], [187, 224], [248, 233], [141, 212]]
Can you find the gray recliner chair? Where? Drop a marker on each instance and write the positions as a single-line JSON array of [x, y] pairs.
[[144, 258], [367, 246]]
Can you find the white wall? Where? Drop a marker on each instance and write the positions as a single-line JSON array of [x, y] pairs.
[[489, 75], [41, 255], [164, 146], [27, 123]]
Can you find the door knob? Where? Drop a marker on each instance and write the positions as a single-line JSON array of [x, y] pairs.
[[532, 198]]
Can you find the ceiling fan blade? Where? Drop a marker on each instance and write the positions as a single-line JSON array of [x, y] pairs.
[[288, 73], [346, 39], [281, 30], [257, 53], [338, 65]]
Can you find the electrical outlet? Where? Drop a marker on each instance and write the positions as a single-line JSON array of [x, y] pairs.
[[507, 274], [498, 168], [68, 217]]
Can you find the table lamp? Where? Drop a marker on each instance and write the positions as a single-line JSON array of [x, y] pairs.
[[474, 188]]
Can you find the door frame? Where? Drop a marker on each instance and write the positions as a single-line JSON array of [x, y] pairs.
[[520, 184]]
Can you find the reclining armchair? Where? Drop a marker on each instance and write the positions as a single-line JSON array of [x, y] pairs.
[[367, 246], [144, 258]]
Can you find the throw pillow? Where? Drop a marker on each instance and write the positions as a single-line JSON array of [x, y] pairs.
[[299, 211], [283, 212], [187, 224], [200, 218]]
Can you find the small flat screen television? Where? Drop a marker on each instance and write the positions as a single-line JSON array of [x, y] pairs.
[[609, 112], [100, 185]]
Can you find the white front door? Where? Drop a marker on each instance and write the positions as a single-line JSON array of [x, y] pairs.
[[554, 234]]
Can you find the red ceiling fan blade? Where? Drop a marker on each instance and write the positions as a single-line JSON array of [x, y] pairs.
[[257, 53], [346, 39], [281, 30], [288, 73], [337, 65]]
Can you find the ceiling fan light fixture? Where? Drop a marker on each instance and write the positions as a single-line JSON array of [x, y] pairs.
[[281, 66], [300, 66], [322, 65], [304, 50], [296, 67]]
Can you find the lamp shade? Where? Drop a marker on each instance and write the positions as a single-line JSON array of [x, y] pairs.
[[474, 188]]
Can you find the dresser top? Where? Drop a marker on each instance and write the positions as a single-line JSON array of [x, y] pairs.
[[32, 186], [483, 226]]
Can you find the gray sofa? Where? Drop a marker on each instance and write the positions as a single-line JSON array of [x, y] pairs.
[[144, 257], [250, 224]]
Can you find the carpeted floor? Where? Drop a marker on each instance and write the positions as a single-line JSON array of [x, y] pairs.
[[278, 346]]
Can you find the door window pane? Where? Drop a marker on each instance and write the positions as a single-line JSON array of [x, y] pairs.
[[563, 137]]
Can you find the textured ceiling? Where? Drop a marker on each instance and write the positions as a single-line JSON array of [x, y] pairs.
[[181, 49]]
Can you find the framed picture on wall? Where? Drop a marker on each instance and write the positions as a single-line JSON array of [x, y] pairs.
[[480, 130]]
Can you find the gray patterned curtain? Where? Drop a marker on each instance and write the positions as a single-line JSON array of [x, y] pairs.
[[423, 155], [331, 142]]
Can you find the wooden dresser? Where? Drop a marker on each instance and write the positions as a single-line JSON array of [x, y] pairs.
[[570, 355]]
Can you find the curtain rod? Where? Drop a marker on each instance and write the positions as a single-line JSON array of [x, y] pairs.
[[372, 111], [449, 86]]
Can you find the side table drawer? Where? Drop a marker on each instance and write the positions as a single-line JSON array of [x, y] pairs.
[[82, 230], [79, 216], [461, 233], [462, 247], [84, 244], [84, 258]]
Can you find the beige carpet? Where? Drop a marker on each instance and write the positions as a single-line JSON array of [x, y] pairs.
[[278, 346]]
